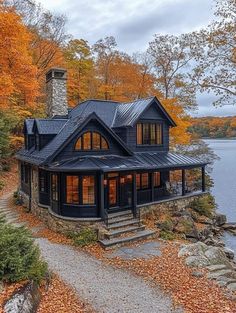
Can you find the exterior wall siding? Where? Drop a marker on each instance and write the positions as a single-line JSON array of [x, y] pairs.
[[114, 147]]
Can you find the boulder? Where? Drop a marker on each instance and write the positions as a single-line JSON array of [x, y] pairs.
[[197, 261], [197, 274], [193, 249], [220, 219], [221, 273], [216, 267], [229, 253], [215, 255], [232, 286], [24, 300], [229, 226]]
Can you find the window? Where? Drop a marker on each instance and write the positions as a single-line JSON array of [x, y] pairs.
[[42, 183], [54, 187], [139, 134], [88, 190], [142, 181], [91, 141], [87, 141], [149, 133], [157, 179], [25, 173], [72, 189]]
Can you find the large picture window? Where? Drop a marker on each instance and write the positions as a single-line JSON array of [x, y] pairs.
[[80, 189], [149, 133], [91, 141]]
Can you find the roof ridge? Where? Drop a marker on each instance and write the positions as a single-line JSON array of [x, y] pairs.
[[140, 99]]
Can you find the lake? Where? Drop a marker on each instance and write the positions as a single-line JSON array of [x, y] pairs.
[[224, 176]]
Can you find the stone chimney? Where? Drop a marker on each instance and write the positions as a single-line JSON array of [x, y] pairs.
[[56, 92]]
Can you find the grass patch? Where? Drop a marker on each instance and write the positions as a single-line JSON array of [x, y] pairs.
[[84, 237], [166, 235]]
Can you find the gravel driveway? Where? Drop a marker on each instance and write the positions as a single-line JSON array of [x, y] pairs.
[[107, 289]]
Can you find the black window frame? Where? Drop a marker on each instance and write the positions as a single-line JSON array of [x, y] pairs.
[[91, 142], [80, 190], [148, 126], [141, 181]]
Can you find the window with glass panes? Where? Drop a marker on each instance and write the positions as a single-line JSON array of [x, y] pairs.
[[149, 134]]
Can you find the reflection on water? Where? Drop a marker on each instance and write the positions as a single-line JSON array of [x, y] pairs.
[[224, 176]]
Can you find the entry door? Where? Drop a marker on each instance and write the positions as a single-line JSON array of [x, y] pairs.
[[113, 192]]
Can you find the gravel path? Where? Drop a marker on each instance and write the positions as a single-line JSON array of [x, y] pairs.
[[108, 289]]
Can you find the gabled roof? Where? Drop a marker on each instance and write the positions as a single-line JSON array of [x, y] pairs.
[[49, 126], [119, 114], [28, 126], [128, 113], [73, 126]]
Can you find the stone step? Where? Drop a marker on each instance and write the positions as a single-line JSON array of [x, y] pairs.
[[110, 243], [123, 224], [119, 219], [119, 214], [127, 230]]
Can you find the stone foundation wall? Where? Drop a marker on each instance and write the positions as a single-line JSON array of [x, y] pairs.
[[177, 204], [53, 221]]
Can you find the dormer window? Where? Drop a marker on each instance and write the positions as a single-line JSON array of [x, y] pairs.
[[149, 134], [91, 141]]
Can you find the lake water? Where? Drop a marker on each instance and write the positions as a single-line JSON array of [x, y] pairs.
[[224, 176]]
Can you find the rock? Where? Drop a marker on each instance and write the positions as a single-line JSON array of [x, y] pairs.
[[197, 274], [197, 261], [232, 286], [220, 219], [25, 300], [215, 255], [224, 281], [193, 249], [216, 274], [216, 267], [229, 253], [205, 220], [229, 226], [167, 225]]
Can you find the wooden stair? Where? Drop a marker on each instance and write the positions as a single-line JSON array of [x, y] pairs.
[[122, 228]]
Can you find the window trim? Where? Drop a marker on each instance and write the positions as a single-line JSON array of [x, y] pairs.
[[80, 190], [81, 137], [141, 181], [149, 133]]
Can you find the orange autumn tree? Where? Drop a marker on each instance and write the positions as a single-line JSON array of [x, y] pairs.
[[179, 135], [18, 84]]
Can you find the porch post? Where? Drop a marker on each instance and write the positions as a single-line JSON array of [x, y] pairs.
[[183, 182], [152, 186], [134, 191], [101, 195], [203, 179]]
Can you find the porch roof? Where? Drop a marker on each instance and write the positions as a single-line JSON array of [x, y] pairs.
[[139, 161]]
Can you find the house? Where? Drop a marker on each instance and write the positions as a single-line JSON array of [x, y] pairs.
[[99, 160]]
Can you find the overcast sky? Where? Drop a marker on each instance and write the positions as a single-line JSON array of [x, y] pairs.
[[134, 22]]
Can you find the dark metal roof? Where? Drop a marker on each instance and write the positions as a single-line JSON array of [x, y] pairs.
[[29, 126], [140, 161], [105, 110], [50, 126], [74, 124]]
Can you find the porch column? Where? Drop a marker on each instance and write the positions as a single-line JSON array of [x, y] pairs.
[[101, 195], [183, 182], [152, 186], [203, 179], [134, 191]]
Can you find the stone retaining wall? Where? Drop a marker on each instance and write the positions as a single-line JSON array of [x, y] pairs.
[[176, 204]]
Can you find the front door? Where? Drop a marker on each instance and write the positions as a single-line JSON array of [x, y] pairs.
[[113, 192]]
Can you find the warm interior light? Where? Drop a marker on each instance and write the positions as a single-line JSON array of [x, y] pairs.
[[105, 182], [122, 180]]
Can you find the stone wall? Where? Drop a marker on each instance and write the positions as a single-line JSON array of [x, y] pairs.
[[53, 221], [174, 205]]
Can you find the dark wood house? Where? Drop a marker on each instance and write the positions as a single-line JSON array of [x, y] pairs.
[[101, 156]]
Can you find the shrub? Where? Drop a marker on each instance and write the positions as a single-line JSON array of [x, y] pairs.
[[167, 235], [19, 256], [166, 225], [204, 206], [83, 238]]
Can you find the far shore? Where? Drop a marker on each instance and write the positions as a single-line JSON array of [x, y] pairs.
[[216, 138]]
